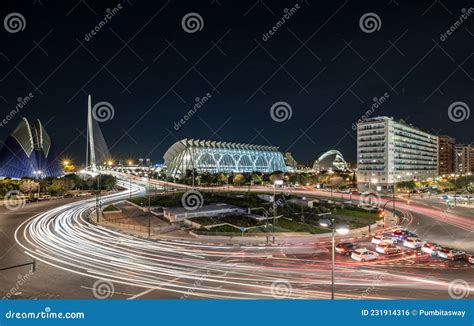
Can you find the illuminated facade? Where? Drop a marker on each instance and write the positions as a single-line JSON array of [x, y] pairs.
[[330, 161], [389, 152], [215, 157], [28, 152]]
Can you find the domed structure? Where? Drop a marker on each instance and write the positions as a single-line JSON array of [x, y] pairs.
[[29, 152], [330, 161]]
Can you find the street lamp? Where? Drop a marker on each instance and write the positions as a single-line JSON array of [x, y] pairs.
[[38, 173], [342, 229]]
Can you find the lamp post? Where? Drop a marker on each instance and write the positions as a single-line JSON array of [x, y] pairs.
[[455, 192], [130, 184], [99, 194], [38, 173], [341, 230], [149, 208]]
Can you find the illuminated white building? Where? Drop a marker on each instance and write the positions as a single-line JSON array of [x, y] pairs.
[[215, 157], [389, 152]]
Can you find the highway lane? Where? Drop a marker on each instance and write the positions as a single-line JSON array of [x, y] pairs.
[[63, 238]]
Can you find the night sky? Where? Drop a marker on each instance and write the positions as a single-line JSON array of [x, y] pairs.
[[320, 62]]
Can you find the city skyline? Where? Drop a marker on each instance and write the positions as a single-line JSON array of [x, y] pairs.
[[315, 151], [153, 81]]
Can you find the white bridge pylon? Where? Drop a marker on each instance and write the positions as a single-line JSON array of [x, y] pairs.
[[96, 147]]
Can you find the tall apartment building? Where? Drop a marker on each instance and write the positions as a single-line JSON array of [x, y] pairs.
[[464, 160], [389, 152], [447, 155]]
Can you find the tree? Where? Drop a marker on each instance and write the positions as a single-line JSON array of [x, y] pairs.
[[336, 181], [27, 186], [74, 178], [107, 181], [205, 178], [256, 178], [294, 178], [276, 176], [409, 185], [239, 179], [60, 186], [223, 179]]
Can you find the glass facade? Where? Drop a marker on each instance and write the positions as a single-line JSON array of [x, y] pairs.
[[215, 157]]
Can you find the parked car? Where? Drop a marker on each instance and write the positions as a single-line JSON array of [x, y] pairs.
[[345, 248], [382, 238], [413, 243], [451, 254], [430, 248], [469, 259], [400, 235], [364, 255], [387, 248]]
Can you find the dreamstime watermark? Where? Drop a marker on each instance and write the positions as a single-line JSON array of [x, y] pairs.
[[379, 278], [103, 111], [377, 103], [458, 289], [103, 289], [13, 201], [370, 22], [21, 103], [287, 14], [281, 289], [199, 103], [459, 111], [370, 201], [465, 14], [109, 14], [277, 203], [46, 314], [192, 200], [14, 22], [196, 285], [192, 22], [281, 111], [19, 283]]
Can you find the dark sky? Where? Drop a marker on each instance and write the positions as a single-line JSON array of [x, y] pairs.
[[151, 70]]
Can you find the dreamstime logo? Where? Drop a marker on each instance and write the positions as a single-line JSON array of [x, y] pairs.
[[281, 289], [109, 14], [14, 22], [287, 14], [370, 22], [192, 200], [281, 111], [21, 103], [370, 201], [459, 111], [12, 202], [199, 103], [103, 289], [103, 111], [377, 103], [15, 289], [465, 14], [192, 22], [458, 289]]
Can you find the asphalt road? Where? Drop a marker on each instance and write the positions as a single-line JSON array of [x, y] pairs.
[[79, 260]]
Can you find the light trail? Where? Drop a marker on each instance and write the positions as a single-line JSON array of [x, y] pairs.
[[64, 238]]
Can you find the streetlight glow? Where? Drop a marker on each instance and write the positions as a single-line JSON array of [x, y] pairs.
[[342, 229]]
